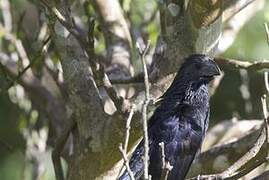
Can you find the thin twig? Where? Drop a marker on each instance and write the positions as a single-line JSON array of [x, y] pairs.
[[165, 172], [127, 134], [128, 127], [166, 167], [266, 82], [265, 115], [240, 173], [267, 32], [162, 154], [37, 56], [126, 162], [142, 53]]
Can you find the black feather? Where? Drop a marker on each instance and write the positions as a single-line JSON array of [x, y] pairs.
[[180, 122]]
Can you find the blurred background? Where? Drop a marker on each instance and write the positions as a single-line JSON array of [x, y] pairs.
[[238, 95]]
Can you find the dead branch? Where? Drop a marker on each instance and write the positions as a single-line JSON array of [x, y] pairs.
[[128, 127], [267, 32], [166, 167], [142, 53], [124, 149], [126, 162]]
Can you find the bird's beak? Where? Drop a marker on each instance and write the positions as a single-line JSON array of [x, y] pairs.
[[212, 69]]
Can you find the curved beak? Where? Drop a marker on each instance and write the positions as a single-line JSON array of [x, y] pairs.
[[211, 69]]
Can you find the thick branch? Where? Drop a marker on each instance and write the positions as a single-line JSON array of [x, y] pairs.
[[100, 77], [117, 35]]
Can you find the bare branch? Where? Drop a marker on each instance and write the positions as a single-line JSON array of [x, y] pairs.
[[37, 56], [227, 152], [142, 52], [267, 32], [126, 162], [247, 157], [162, 154], [252, 66], [232, 7], [266, 82], [126, 140], [128, 127], [166, 167]]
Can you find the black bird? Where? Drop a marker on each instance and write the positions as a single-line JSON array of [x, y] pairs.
[[180, 122]]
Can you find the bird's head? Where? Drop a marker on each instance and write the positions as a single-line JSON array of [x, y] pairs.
[[199, 67]]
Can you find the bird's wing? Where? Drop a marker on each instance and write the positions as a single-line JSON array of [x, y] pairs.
[[189, 140], [136, 162], [186, 150]]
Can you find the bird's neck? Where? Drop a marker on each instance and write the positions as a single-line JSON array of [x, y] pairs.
[[190, 92], [196, 94]]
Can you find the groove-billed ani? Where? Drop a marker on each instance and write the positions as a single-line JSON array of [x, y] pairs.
[[180, 122]]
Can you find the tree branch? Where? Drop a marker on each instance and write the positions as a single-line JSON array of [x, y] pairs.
[[232, 7], [100, 77], [142, 53], [220, 157], [251, 66], [124, 149], [166, 167], [60, 143], [117, 35]]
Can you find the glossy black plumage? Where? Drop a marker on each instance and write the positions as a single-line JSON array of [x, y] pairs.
[[180, 121]]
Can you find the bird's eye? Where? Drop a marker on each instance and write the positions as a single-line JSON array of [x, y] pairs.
[[198, 66]]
